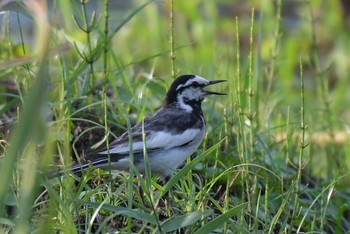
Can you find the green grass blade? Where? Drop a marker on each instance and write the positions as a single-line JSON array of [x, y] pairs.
[[134, 213], [220, 220], [185, 220], [128, 18], [28, 124]]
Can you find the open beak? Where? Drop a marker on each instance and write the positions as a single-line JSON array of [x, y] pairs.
[[215, 82]]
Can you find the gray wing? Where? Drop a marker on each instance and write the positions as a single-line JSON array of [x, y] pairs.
[[167, 128]]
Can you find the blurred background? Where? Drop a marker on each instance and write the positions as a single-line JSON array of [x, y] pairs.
[[314, 31], [208, 36]]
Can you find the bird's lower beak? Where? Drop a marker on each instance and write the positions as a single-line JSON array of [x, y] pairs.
[[215, 82]]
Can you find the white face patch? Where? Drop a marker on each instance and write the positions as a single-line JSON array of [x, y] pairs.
[[190, 93], [183, 105], [193, 93]]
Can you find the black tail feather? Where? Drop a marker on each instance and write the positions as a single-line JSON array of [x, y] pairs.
[[95, 160], [73, 169]]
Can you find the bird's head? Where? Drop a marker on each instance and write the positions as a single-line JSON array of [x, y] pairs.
[[188, 91]]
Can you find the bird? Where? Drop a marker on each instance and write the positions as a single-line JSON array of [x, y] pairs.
[[170, 135]]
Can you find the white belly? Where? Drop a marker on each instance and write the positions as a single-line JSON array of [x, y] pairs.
[[166, 162]]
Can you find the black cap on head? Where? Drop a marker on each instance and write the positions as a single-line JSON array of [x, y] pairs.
[[171, 94]]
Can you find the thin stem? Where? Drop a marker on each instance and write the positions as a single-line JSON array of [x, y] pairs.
[[250, 116], [302, 145], [87, 30], [172, 41], [250, 88], [275, 50], [106, 41], [240, 134]]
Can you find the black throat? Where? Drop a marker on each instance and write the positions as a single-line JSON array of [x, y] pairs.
[[196, 106]]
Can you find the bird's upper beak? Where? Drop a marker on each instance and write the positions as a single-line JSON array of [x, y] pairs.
[[215, 82]]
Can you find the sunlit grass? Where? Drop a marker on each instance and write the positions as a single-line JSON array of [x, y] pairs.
[[272, 159]]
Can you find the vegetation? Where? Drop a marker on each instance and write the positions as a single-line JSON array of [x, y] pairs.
[[276, 157]]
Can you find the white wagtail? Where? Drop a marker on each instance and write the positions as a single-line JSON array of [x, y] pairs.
[[172, 133]]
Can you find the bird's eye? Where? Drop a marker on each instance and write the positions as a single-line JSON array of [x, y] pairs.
[[195, 84]]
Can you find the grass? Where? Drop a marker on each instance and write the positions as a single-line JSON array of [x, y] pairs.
[[276, 155]]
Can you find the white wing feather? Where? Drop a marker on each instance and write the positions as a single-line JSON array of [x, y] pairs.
[[156, 140]]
